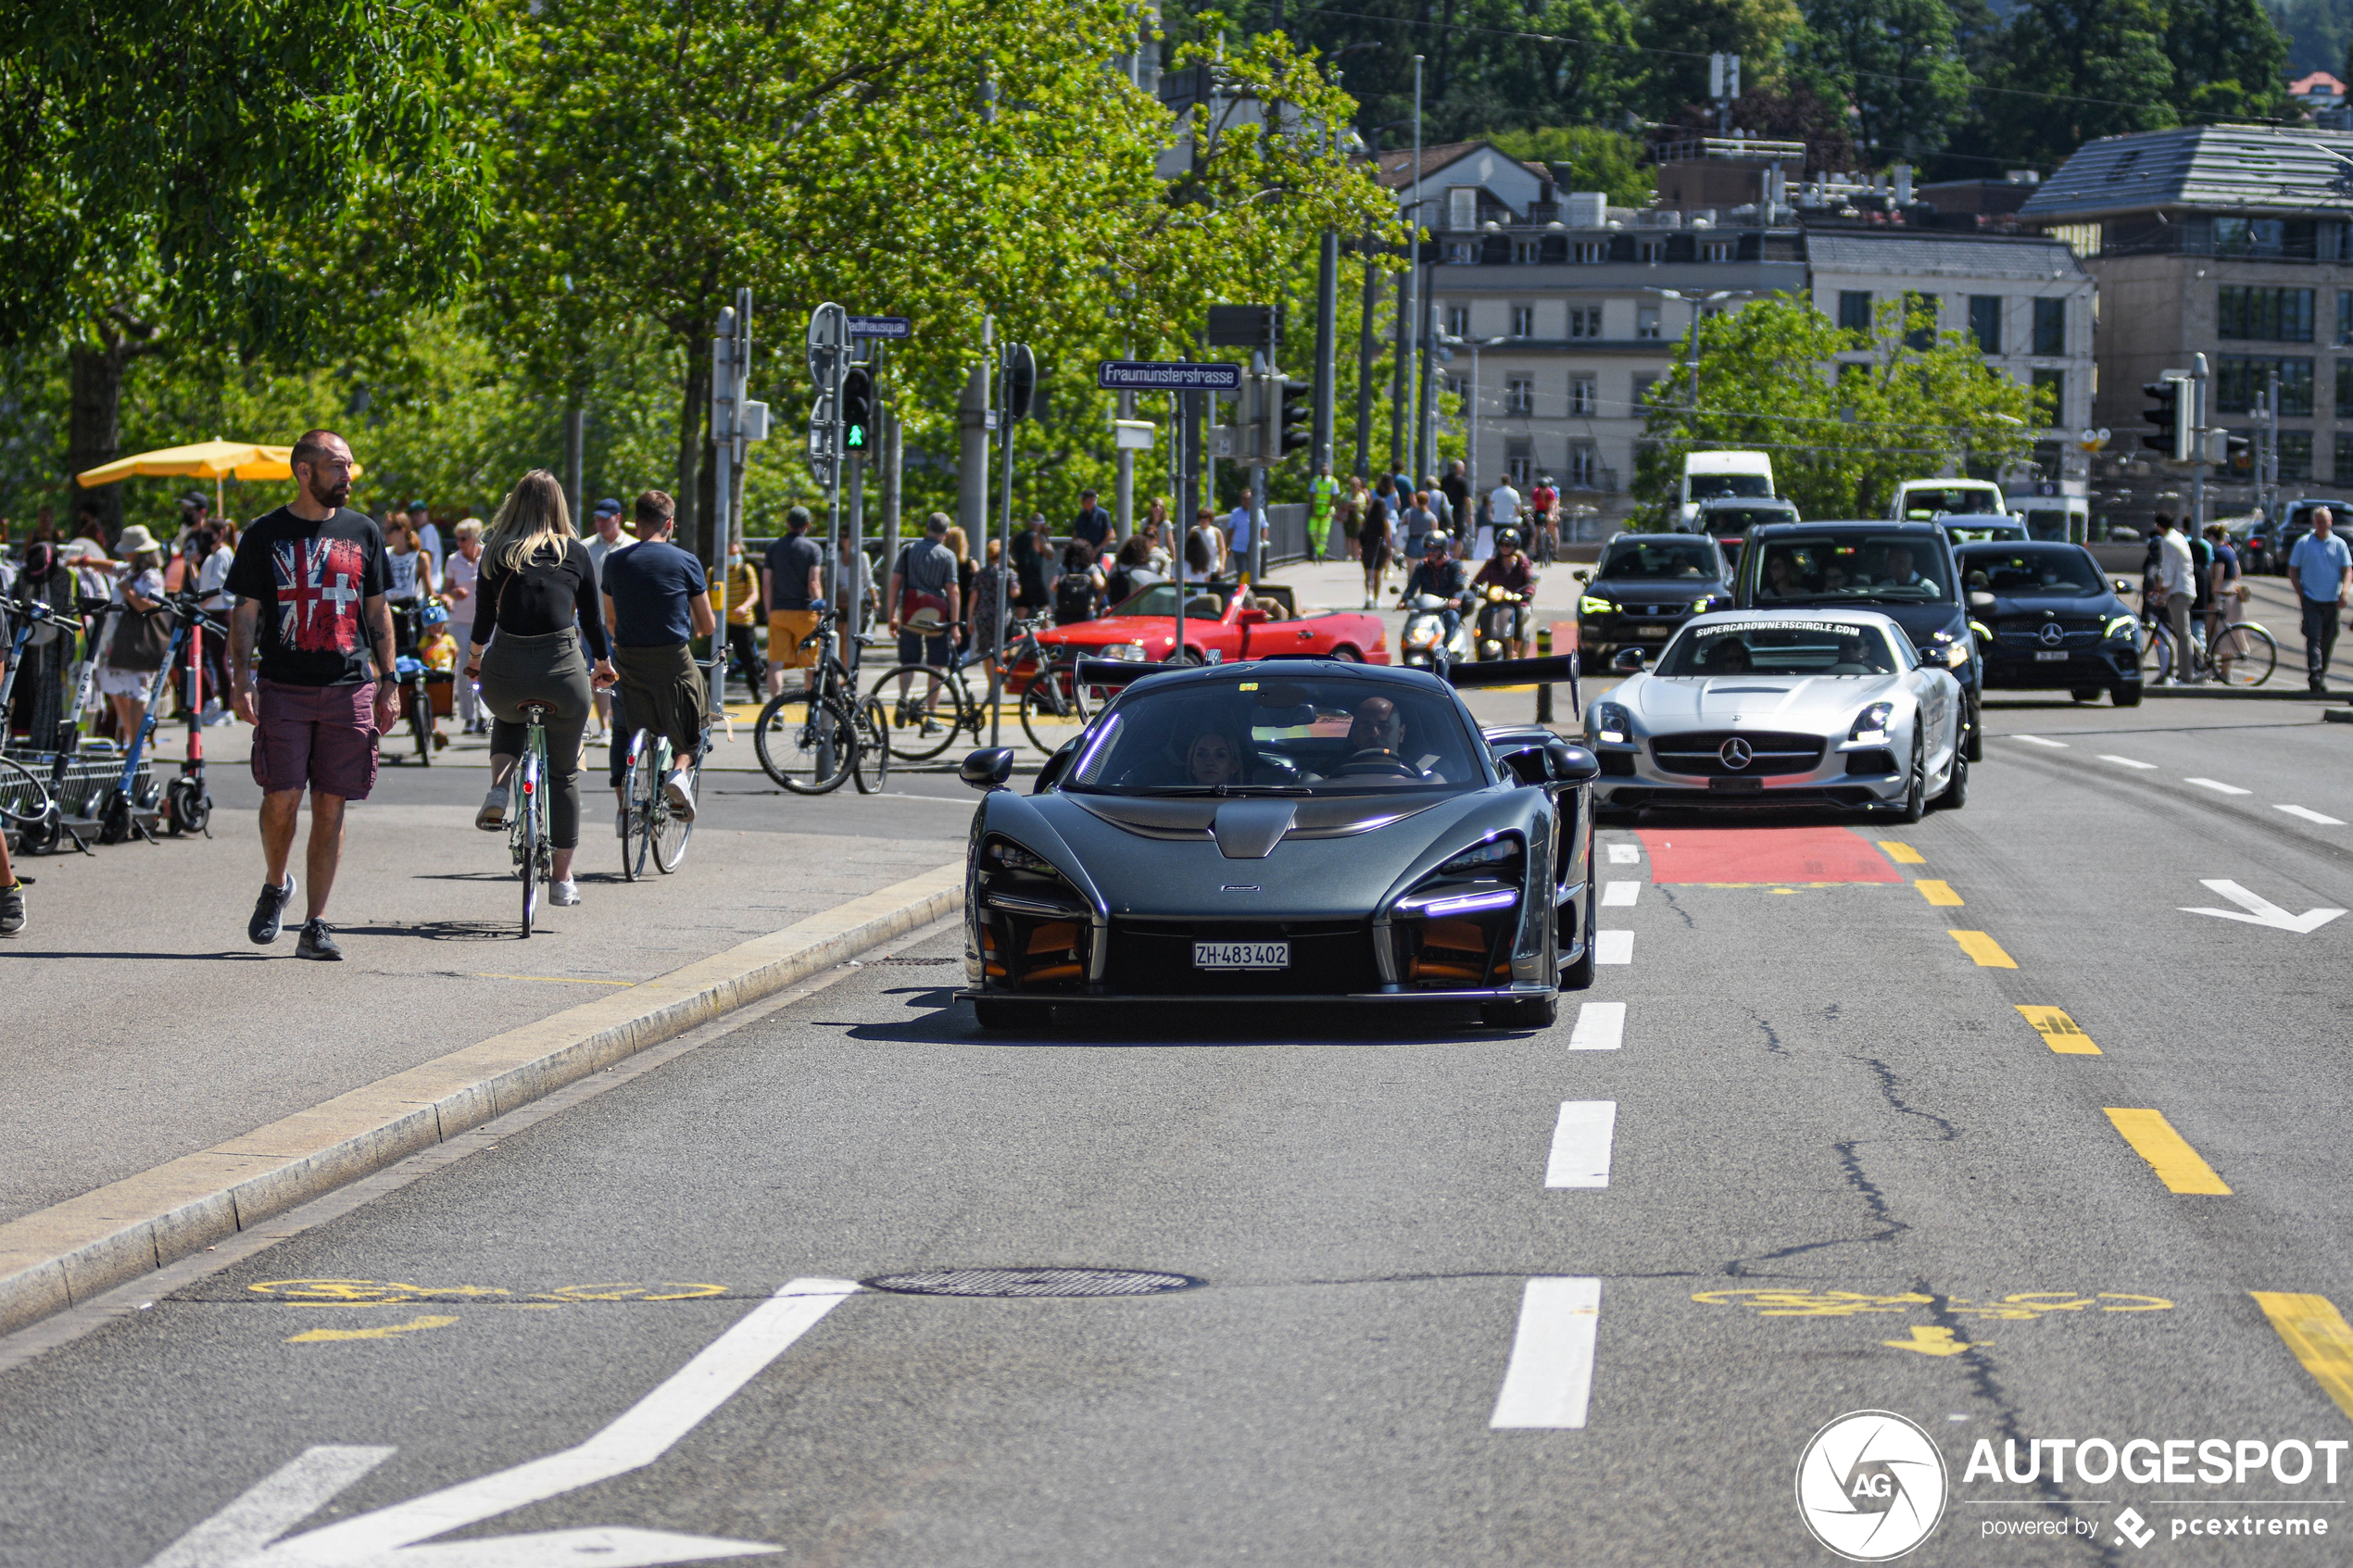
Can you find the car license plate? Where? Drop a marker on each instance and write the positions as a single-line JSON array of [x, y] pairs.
[[1651, 631], [1737, 787], [2056, 656], [1242, 955]]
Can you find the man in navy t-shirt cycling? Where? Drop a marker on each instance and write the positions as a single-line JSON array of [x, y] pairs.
[[655, 599]]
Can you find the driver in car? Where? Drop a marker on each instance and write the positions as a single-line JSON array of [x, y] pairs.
[[1212, 760], [1730, 656], [1441, 576], [1376, 739], [1899, 570]]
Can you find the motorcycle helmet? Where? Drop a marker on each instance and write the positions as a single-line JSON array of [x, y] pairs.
[[1436, 539], [1507, 539]]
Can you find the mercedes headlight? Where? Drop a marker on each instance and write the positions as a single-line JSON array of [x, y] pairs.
[[1594, 603], [2120, 626], [1871, 725], [1132, 652], [1612, 722]]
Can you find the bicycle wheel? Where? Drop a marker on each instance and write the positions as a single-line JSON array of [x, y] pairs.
[[24, 799], [530, 834], [805, 745], [638, 787], [871, 769], [1053, 709], [2250, 653], [671, 832], [927, 719]]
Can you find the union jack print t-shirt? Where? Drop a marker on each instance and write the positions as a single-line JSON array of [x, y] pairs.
[[312, 581]]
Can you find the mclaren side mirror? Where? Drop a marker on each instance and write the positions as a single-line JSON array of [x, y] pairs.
[[988, 767], [1568, 762], [1629, 661]]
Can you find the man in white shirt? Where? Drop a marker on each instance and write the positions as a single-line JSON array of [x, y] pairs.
[[2177, 575], [428, 534], [1502, 511], [457, 585]]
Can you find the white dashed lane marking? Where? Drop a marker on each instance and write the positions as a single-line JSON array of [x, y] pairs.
[[2038, 740], [1601, 1026], [1620, 895], [2217, 785], [1550, 1378], [2312, 816], [2127, 761], [1612, 947], [1580, 1144], [1624, 855]]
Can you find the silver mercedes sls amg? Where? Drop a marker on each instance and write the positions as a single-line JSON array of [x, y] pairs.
[[1778, 709]]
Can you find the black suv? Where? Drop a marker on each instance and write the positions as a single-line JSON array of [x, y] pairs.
[[2049, 620], [1904, 570], [1643, 588]]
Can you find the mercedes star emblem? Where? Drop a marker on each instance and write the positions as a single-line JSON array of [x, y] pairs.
[[2052, 633], [1736, 754]]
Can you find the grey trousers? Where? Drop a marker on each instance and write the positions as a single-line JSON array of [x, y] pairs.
[[546, 670]]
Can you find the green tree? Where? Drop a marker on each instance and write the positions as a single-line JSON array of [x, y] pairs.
[[1595, 159], [2230, 60], [1684, 32], [1895, 63], [1780, 377], [2065, 71], [248, 178]]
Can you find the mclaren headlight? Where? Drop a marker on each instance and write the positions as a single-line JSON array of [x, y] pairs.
[[1492, 853], [1011, 857], [1871, 725], [1983, 635], [1594, 603], [2120, 626], [1612, 723]]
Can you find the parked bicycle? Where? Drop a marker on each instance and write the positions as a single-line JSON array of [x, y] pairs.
[[2242, 654], [527, 823], [810, 740]]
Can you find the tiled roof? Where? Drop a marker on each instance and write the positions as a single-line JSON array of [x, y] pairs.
[[1397, 165], [2225, 168], [1942, 255]]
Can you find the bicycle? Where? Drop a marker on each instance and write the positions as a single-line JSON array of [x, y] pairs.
[[2249, 651], [925, 725], [1054, 702], [528, 824], [650, 831], [811, 740], [414, 680]]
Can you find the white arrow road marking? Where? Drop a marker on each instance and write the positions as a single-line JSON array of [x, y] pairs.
[[1580, 1144], [2262, 911], [2312, 816], [1601, 1026], [1551, 1374], [388, 1538], [2218, 786]]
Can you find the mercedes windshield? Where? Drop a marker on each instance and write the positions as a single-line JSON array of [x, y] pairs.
[[1866, 568]]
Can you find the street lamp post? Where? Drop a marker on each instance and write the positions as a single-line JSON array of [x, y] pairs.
[[1698, 304], [1470, 413]]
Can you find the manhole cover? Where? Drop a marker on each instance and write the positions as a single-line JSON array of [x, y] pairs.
[[1034, 1282]]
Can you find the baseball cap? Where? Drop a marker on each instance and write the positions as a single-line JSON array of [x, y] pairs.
[[607, 507], [419, 507]]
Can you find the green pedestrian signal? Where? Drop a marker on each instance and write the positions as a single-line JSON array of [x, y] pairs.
[[856, 407]]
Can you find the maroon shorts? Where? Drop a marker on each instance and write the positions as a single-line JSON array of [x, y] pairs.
[[322, 736]]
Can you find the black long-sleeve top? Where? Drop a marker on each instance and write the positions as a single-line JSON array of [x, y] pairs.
[[548, 594]]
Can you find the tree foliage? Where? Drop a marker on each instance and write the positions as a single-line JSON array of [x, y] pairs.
[[1843, 416]]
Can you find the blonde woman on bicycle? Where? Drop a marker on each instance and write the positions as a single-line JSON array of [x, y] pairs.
[[539, 593]]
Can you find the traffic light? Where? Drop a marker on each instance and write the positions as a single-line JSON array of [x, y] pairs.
[[2238, 456], [1298, 416], [1021, 381], [2173, 437], [857, 410]]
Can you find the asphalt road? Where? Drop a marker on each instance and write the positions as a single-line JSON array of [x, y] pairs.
[[1440, 1305]]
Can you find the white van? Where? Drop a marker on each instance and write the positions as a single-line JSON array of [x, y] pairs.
[[1746, 476], [1919, 500]]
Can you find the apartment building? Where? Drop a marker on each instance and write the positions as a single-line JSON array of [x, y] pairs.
[[2232, 241]]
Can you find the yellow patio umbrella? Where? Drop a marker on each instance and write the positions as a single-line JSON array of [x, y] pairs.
[[214, 460]]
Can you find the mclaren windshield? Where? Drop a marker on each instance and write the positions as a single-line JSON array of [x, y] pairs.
[[1890, 568], [1267, 733], [1780, 647]]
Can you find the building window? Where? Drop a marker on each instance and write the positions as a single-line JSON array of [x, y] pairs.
[[1462, 207], [1985, 322], [2345, 459], [2265, 314], [2345, 309], [1522, 320], [2050, 328], [1527, 252], [1643, 385], [2239, 380], [1582, 467], [1519, 396], [1922, 336], [1584, 320], [1855, 310], [2345, 388], [2048, 457], [1456, 386], [1646, 321], [1582, 402], [1458, 320], [1589, 253], [1519, 461], [2295, 453], [1715, 250], [2050, 397]]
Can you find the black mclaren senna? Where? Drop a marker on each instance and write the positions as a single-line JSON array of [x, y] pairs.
[[1284, 831]]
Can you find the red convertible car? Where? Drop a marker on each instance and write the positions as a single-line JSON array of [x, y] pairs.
[[1257, 625]]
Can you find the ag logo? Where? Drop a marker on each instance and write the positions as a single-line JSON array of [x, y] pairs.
[[1870, 1486]]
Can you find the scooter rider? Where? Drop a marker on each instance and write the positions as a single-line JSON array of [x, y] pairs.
[[1509, 569], [1441, 575]]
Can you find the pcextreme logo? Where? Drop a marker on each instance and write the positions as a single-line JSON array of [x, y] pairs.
[[1870, 1486]]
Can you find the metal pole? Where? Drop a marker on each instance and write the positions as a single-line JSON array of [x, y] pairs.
[[1124, 482], [1005, 521], [2198, 453], [847, 626], [1475, 470], [1257, 565], [1326, 334], [1399, 403], [1365, 368], [1184, 526], [575, 455], [1418, 290]]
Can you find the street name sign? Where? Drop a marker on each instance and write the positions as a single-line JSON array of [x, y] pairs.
[[880, 326], [1144, 375]]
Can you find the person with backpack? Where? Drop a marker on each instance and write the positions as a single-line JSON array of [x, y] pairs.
[[923, 601], [1079, 588]]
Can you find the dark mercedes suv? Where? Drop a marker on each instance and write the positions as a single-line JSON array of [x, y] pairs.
[[2050, 620], [1642, 590]]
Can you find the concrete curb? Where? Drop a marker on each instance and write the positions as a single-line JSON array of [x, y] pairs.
[[68, 1253], [2208, 693]]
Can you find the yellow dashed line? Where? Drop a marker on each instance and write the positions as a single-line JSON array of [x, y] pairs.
[[1940, 894], [1902, 854], [2169, 1154], [1984, 948], [2317, 1336], [2059, 1032]]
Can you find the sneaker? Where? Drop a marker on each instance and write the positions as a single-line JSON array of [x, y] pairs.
[[681, 799], [11, 909], [269, 913], [564, 894], [492, 817], [318, 941]]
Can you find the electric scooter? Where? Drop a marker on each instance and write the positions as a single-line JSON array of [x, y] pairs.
[[123, 811]]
